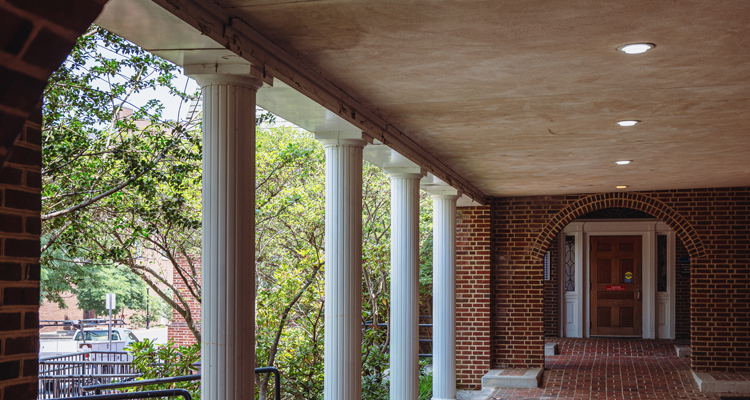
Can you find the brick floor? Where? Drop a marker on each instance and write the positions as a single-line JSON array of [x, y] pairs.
[[613, 369]]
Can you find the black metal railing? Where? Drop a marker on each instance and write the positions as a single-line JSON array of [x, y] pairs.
[[65, 375], [135, 395], [97, 389]]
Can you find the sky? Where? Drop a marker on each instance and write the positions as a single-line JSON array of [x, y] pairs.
[[174, 109]]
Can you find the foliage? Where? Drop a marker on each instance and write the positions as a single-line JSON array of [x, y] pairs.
[[163, 361], [289, 260], [119, 178], [129, 289], [425, 386]]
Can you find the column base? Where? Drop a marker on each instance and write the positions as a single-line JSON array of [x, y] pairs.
[[483, 394]]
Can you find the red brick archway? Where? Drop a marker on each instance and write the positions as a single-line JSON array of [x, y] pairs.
[[635, 201]]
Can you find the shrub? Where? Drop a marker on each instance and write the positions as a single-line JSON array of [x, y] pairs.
[[163, 361]]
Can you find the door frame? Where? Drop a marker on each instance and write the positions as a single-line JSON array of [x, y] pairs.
[[658, 309]]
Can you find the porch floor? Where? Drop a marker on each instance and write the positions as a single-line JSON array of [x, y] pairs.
[[614, 369]]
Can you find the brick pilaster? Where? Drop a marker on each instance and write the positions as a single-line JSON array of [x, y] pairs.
[[20, 227], [472, 295]]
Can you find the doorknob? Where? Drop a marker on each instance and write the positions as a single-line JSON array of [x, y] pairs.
[[639, 294]]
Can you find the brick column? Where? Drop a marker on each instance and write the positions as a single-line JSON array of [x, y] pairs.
[[472, 295], [20, 227]]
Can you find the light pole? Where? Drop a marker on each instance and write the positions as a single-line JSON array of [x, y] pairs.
[[148, 317]]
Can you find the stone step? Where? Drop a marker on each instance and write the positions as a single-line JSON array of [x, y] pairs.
[[682, 350], [709, 384], [551, 349], [515, 378]]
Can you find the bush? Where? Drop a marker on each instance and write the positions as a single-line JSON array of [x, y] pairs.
[[425, 386], [163, 361]]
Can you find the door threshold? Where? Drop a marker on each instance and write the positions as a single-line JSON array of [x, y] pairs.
[[617, 336]]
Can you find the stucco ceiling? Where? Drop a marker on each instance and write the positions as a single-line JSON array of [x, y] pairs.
[[521, 97]]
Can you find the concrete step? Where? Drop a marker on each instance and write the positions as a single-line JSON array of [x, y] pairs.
[[551, 349], [709, 384], [682, 350], [515, 378]]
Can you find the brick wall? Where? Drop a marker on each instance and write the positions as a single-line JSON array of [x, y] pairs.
[[712, 224], [682, 295], [20, 226], [517, 290], [35, 38], [551, 294], [472, 295], [178, 329]]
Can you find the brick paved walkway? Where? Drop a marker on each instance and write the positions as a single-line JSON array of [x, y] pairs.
[[613, 369]]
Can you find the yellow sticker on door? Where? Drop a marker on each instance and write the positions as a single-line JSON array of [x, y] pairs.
[[628, 277]]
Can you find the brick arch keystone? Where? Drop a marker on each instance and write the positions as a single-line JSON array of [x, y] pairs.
[[635, 201]]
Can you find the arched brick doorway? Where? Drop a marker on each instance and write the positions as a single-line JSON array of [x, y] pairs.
[[635, 201], [688, 245]]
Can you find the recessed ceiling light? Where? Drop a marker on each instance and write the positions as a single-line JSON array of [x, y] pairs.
[[636, 48], [622, 186], [623, 162], [629, 122]]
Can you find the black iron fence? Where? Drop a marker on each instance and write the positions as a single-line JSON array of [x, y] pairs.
[[74, 376]]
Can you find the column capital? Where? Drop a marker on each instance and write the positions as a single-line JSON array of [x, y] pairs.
[[232, 74], [405, 172], [350, 139], [443, 192]]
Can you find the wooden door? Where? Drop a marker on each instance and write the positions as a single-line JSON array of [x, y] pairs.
[[616, 286]]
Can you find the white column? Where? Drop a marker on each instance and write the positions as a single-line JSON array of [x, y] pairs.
[[444, 297], [404, 349], [228, 309], [343, 269]]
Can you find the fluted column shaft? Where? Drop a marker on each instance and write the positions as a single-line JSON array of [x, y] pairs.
[[228, 307], [444, 297], [404, 318], [343, 269]]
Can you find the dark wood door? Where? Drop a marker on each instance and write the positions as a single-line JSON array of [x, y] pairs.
[[616, 286]]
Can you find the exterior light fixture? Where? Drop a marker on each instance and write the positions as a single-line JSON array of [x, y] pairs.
[[623, 162], [630, 122], [622, 186], [636, 48]]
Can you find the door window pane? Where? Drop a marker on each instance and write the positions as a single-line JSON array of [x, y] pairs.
[[570, 263]]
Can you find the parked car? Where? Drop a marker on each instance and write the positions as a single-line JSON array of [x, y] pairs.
[[66, 341], [96, 335]]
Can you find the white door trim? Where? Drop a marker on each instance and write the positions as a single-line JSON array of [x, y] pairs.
[[658, 308]]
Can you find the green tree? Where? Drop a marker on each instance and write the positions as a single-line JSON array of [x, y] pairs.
[[119, 178], [289, 259], [129, 288]]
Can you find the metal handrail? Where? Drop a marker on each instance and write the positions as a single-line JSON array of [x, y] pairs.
[[135, 395], [119, 385], [277, 378], [185, 378]]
